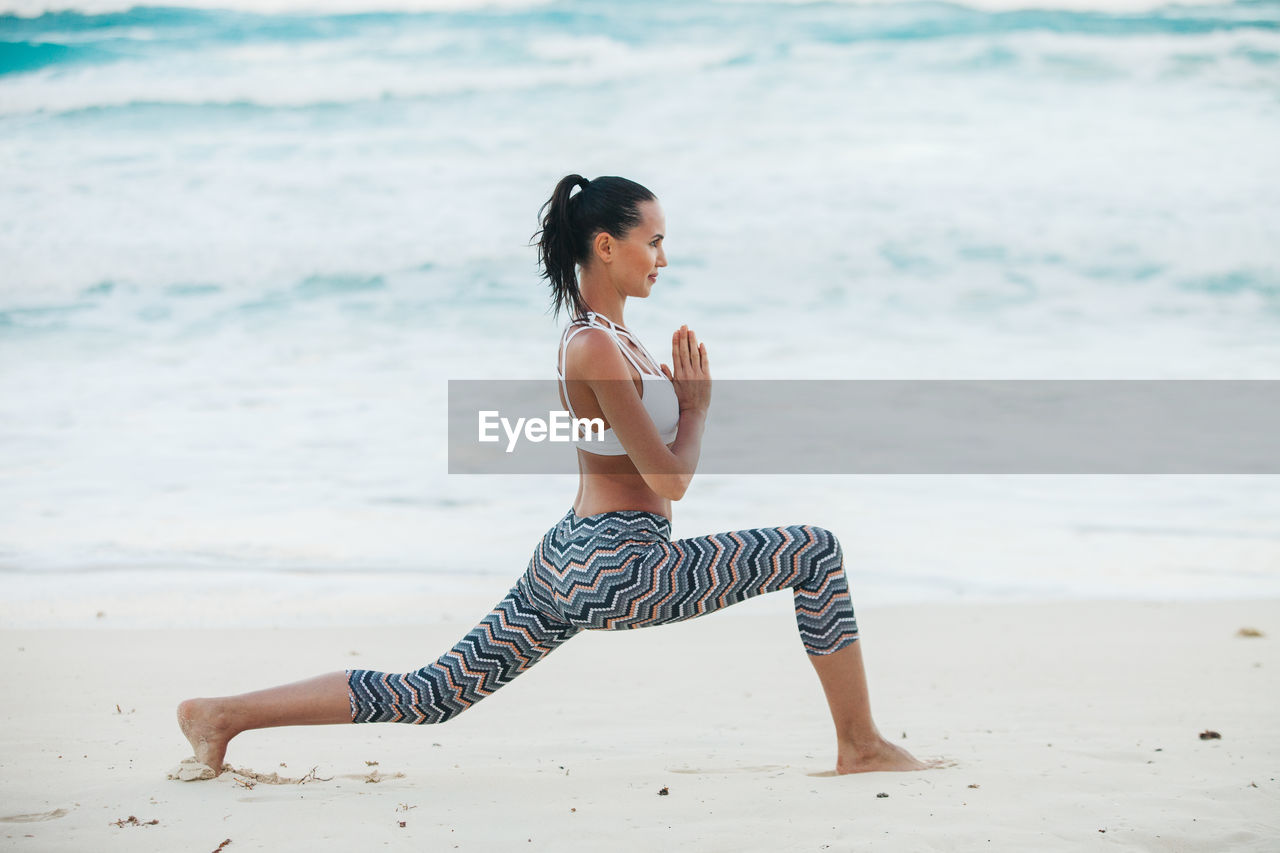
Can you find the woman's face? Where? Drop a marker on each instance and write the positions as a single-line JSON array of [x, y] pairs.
[[639, 255]]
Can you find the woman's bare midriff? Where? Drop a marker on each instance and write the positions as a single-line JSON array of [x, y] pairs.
[[607, 483]]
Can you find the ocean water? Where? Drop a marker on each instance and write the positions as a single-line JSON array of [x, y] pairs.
[[242, 252]]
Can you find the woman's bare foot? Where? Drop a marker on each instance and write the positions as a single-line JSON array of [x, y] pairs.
[[206, 728], [881, 756]]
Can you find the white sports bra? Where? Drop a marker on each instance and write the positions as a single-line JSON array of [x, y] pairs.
[[659, 395]]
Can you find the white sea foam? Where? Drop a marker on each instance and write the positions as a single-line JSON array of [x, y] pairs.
[[30, 8], [241, 261]]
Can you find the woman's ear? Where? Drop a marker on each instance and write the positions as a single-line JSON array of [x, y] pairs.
[[602, 245]]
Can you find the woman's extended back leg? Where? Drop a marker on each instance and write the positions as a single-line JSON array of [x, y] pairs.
[[511, 638]]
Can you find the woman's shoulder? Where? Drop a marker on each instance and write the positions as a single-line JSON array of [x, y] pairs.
[[591, 353]]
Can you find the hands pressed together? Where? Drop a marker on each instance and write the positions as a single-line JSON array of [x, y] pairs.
[[692, 371]]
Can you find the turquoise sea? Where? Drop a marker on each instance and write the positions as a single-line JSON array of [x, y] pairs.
[[241, 253]]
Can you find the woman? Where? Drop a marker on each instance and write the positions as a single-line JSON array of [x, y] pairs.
[[610, 562]]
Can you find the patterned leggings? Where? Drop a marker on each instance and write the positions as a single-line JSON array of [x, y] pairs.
[[612, 571]]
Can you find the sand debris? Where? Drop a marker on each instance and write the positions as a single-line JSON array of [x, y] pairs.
[[312, 777], [191, 770], [133, 821], [274, 778], [1210, 734]]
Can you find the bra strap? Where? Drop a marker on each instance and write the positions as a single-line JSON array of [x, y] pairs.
[[593, 322], [615, 330], [569, 332]]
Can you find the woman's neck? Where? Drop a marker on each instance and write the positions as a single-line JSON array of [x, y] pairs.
[[602, 298]]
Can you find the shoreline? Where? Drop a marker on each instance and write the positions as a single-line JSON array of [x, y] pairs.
[[155, 598], [1064, 719]]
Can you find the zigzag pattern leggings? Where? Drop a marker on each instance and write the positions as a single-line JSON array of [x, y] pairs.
[[613, 571]]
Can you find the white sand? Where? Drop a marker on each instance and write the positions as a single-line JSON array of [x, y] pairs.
[[1074, 726]]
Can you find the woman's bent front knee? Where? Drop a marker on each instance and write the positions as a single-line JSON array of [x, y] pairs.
[[829, 548]]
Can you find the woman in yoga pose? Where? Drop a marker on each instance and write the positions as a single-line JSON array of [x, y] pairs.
[[610, 562]]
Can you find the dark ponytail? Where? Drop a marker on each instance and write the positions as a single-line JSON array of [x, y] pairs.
[[571, 222]]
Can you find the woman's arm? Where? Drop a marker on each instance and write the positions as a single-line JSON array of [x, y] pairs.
[[598, 361]]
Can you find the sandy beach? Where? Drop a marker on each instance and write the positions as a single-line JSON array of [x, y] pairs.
[[1071, 726]]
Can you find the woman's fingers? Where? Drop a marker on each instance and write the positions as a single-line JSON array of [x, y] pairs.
[[689, 370], [688, 357], [680, 352]]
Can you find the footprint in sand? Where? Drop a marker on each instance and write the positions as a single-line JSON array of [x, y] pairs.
[[930, 764], [34, 817], [191, 770], [760, 768]]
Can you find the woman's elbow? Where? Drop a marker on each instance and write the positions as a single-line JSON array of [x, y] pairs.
[[671, 486], [683, 481]]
